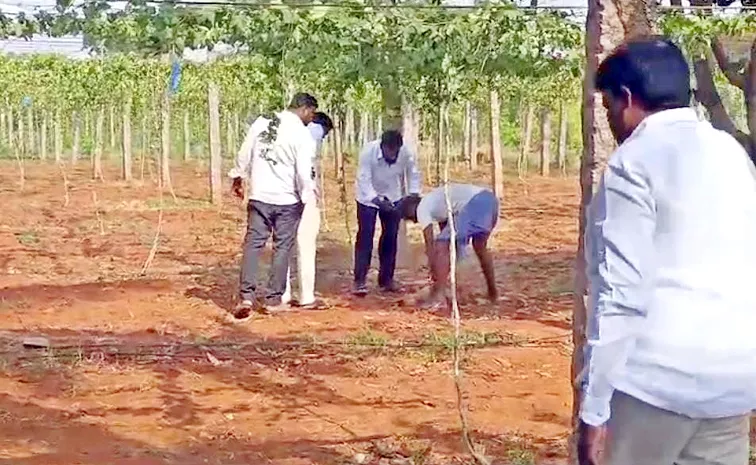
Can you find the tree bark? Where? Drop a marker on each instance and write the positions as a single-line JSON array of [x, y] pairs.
[[43, 136], [524, 160], [127, 159], [30, 131], [474, 149], [187, 137], [439, 142], [76, 144], [466, 145], [545, 141], [349, 139], [337, 144], [562, 157], [608, 23], [229, 136], [11, 127], [112, 129], [364, 128], [58, 137], [497, 167], [99, 144], [165, 146], [213, 100]]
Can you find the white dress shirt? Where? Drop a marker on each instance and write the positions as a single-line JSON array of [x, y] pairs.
[[280, 172], [671, 252], [432, 207], [376, 178]]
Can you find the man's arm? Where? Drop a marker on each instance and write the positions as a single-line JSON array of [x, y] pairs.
[[414, 179], [242, 165], [428, 239], [623, 245], [365, 187], [303, 165]]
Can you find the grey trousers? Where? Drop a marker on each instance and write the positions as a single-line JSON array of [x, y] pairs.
[[264, 220], [640, 434]]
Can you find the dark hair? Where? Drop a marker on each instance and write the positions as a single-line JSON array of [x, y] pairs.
[[303, 100], [392, 138], [652, 68], [323, 120]]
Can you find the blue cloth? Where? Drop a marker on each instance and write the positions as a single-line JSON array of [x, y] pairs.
[[477, 218]]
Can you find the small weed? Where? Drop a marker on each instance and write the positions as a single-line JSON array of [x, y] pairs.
[[520, 457], [28, 238], [182, 204], [367, 338], [561, 285]]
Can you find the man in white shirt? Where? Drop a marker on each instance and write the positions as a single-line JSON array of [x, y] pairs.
[[277, 155], [382, 167], [309, 226], [671, 359], [475, 211]]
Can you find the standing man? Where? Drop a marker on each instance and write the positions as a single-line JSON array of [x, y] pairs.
[[277, 156], [671, 372], [475, 211], [383, 165], [309, 226]]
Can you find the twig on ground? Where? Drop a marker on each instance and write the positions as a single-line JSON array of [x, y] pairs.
[[456, 320], [156, 239]]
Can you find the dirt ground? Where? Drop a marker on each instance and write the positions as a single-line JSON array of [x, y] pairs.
[[147, 368]]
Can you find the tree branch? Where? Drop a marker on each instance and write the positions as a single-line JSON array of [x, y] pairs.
[[707, 94], [730, 69]]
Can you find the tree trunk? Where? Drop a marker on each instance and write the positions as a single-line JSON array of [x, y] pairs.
[[439, 142], [58, 137], [474, 138], [213, 100], [349, 138], [497, 168], [30, 128], [76, 143], [165, 146], [99, 145], [43, 137], [126, 141], [112, 130], [11, 127], [229, 136], [187, 137], [608, 23], [364, 128], [20, 140], [337, 144], [545, 141], [562, 138], [523, 162], [466, 143]]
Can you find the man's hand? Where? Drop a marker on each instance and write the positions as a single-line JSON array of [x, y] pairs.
[[591, 442], [237, 188], [384, 204]]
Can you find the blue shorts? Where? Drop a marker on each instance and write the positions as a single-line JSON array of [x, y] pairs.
[[477, 219]]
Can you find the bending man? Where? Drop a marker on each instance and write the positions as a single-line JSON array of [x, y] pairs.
[[475, 212]]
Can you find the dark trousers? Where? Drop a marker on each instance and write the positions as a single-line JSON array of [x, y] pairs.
[[264, 219], [363, 247]]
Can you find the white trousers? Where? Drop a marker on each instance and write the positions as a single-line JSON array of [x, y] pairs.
[[307, 246]]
